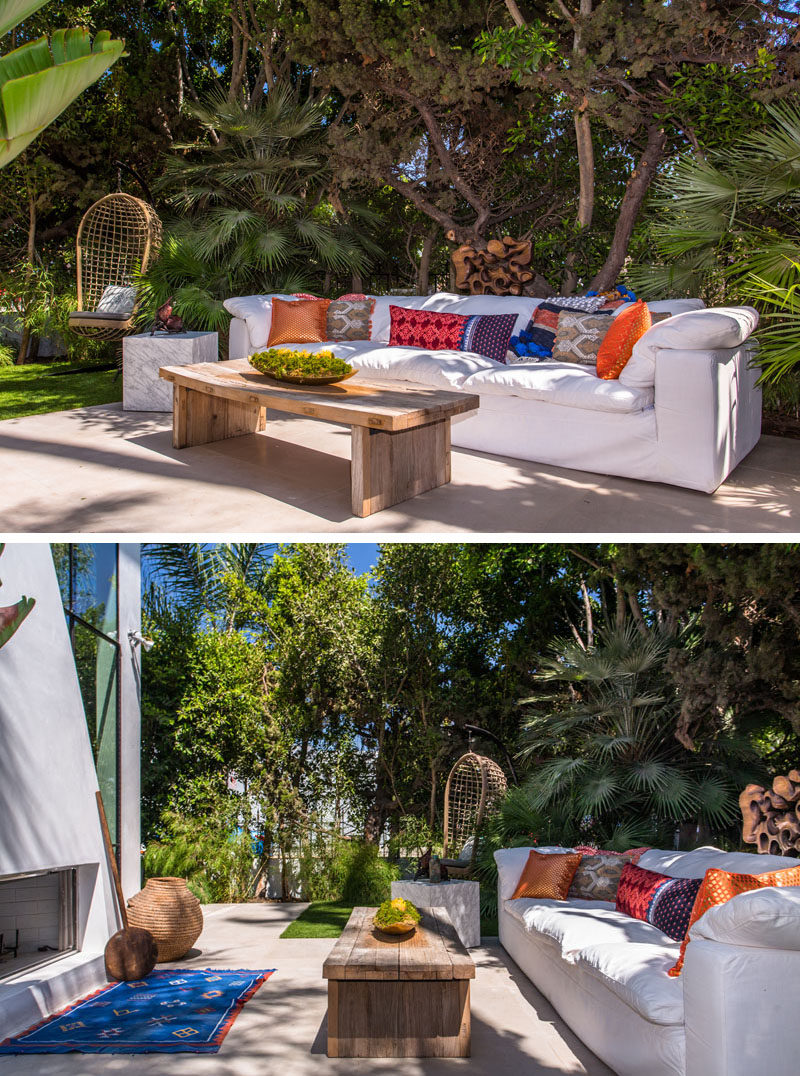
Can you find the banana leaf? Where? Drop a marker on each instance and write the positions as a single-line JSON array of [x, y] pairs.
[[12, 12], [40, 79]]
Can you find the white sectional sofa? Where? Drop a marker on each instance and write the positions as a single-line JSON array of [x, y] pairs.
[[685, 410], [734, 1010]]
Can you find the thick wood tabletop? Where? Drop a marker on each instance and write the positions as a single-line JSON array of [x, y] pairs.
[[433, 951], [381, 405]]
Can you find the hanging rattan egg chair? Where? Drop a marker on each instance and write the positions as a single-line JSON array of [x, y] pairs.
[[118, 235], [474, 786]]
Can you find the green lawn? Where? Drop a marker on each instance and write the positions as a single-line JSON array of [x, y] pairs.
[[327, 919], [34, 390], [322, 919]]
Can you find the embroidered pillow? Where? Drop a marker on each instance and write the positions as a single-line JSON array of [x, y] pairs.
[[547, 875], [354, 295], [488, 334], [578, 337], [299, 321], [350, 319], [617, 345], [632, 854], [597, 876], [305, 295], [718, 887], [536, 341], [637, 890], [672, 906], [428, 329]]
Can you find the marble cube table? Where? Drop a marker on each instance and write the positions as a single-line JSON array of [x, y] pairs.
[[143, 356], [461, 898]]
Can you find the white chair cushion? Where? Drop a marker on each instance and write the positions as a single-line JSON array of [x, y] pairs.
[[765, 918], [117, 299], [637, 975], [566, 383], [256, 310], [510, 862], [695, 330]]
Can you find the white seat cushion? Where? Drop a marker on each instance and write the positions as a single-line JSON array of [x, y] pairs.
[[438, 369], [574, 925], [565, 383], [637, 975]]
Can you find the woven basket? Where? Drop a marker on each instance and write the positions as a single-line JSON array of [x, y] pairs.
[[171, 912]]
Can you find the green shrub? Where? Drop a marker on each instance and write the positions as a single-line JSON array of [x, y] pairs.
[[8, 355], [216, 861], [348, 871]]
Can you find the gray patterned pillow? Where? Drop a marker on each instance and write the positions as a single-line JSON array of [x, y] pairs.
[[597, 877], [349, 319], [578, 337]]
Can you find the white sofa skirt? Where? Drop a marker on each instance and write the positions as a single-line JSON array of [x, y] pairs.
[[620, 1036]]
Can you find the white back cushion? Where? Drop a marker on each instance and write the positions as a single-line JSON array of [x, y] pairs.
[[449, 303], [694, 864], [256, 310], [510, 862], [696, 330]]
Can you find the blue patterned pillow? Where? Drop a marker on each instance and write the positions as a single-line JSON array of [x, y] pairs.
[[672, 904], [536, 340], [489, 335]]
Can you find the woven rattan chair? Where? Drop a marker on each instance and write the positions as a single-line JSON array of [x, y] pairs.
[[473, 787], [118, 235]]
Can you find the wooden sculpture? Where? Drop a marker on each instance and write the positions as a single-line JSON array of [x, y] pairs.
[[502, 268], [771, 817]]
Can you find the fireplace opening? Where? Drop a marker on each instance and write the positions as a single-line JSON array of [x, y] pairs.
[[37, 919]]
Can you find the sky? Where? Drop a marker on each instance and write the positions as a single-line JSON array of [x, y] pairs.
[[363, 556]]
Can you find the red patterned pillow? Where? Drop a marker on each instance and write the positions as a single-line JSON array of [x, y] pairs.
[[305, 295], [637, 890], [353, 295], [427, 329], [633, 854]]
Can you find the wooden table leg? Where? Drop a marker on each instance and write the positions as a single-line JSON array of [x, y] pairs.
[[388, 468], [199, 418]]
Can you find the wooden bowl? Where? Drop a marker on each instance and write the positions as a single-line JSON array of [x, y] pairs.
[[332, 379], [403, 926]]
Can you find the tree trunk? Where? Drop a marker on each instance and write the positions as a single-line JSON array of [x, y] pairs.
[[424, 268], [638, 185], [22, 354]]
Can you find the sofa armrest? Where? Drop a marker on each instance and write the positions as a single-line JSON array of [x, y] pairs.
[[766, 918], [708, 412], [239, 346], [740, 1009]]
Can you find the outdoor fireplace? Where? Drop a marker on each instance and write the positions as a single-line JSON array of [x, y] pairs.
[[37, 919]]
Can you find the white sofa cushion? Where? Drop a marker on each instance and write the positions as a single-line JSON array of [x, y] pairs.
[[696, 330], [522, 305], [437, 369], [766, 918], [694, 864], [637, 974], [510, 862], [256, 310], [574, 925], [565, 383]]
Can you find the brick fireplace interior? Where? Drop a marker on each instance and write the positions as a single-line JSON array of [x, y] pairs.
[[37, 919]]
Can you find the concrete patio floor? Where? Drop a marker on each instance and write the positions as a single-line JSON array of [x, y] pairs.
[[283, 1028], [105, 470]]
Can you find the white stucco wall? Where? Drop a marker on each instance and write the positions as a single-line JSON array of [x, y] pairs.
[[48, 813]]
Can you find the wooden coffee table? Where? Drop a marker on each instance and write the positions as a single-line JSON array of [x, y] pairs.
[[402, 996], [400, 433]]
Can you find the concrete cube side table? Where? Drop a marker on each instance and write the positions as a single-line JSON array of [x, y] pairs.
[[461, 898], [143, 356]]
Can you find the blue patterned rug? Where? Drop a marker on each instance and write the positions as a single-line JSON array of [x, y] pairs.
[[176, 1011]]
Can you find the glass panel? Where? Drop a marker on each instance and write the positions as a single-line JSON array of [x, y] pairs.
[[94, 585], [96, 662]]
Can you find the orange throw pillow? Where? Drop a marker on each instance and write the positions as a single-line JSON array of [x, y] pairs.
[[718, 887], [301, 321], [617, 345], [547, 875]]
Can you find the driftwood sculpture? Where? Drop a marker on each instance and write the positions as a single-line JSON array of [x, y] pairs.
[[771, 817], [502, 268]]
